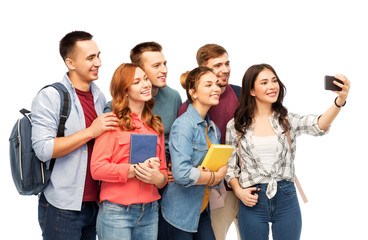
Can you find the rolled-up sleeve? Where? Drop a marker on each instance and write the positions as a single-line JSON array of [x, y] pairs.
[[105, 165], [307, 124], [45, 111], [233, 170], [181, 150]]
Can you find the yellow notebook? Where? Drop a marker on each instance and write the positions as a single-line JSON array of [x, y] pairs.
[[217, 156]]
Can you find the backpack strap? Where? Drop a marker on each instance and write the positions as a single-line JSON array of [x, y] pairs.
[[297, 183], [65, 107], [239, 146], [26, 113]]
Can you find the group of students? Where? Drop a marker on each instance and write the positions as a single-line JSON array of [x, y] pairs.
[[93, 187]]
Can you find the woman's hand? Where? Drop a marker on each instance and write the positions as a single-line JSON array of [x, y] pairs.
[[246, 196], [325, 120], [153, 162], [169, 174], [219, 175], [149, 172], [206, 177], [343, 94]]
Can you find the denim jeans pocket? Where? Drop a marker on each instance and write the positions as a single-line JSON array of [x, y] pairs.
[[288, 188]]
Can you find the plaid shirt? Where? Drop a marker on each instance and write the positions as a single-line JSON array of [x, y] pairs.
[[251, 172]]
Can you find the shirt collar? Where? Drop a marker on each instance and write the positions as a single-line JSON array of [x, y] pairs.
[[194, 114], [94, 89], [67, 82], [134, 116], [274, 123]]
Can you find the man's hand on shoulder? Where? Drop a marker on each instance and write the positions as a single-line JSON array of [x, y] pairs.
[[104, 122]]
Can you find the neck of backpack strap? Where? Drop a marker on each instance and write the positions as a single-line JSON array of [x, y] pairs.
[[296, 180], [239, 147]]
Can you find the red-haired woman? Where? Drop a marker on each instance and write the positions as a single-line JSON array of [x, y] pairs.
[[129, 208]]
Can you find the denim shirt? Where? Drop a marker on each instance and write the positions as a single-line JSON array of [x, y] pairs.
[[182, 200], [66, 187]]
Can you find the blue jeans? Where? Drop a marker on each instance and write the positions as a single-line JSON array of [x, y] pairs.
[[59, 224], [204, 232], [136, 221], [163, 233], [163, 227], [282, 211]]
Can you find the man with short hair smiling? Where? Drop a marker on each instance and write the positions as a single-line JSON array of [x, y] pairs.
[[68, 206]]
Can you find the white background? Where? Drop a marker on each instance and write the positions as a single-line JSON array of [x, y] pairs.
[[302, 40]]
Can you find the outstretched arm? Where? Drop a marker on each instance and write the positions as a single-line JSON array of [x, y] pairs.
[[327, 118]]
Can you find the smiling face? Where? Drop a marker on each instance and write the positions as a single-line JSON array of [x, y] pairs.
[[207, 91], [154, 64], [266, 87], [140, 90], [221, 67], [84, 61]]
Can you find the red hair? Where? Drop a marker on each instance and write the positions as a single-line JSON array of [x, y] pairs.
[[121, 80]]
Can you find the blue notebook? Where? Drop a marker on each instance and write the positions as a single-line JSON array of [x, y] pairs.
[[142, 147]]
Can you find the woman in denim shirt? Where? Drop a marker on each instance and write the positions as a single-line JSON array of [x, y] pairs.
[[185, 202]]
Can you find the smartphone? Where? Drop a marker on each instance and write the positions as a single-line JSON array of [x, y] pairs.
[[329, 85]]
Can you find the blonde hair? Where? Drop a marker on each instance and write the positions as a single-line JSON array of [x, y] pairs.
[[183, 77]]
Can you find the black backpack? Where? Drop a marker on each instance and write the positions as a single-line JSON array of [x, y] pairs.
[[30, 175]]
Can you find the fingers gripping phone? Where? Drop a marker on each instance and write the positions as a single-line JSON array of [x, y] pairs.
[[329, 85]]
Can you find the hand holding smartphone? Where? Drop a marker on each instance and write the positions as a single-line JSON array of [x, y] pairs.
[[329, 85]]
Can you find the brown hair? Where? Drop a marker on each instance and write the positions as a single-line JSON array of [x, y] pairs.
[[121, 80], [67, 43], [138, 50], [244, 112], [209, 51], [192, 79], [183, 78]]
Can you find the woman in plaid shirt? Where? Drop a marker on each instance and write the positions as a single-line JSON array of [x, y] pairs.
[[264, 177]]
